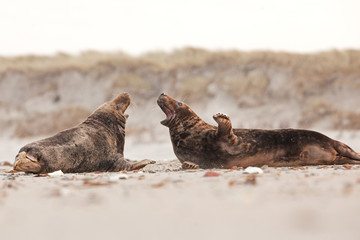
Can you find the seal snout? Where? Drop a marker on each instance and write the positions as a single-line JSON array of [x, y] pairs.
[[162, 96], [161, 101], [122, 101]]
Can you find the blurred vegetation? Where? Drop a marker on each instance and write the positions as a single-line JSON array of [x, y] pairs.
[[251, 79], [304, 66]]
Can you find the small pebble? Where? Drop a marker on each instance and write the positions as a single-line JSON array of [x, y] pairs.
[[139, 173], [116, 177], [211, 174], [347, 166], [67, 178], [10, 177], [250, 179], [61, 192], [5, 164]]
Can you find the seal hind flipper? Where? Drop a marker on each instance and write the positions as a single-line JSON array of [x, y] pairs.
[[346, 154], [27, 163], [339, 160], [224, 129], [189, 165]]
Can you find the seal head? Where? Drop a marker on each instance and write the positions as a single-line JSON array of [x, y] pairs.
[[176, 112], [189, 134]]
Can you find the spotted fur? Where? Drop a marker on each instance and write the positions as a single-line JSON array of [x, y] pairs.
[[195, 141]]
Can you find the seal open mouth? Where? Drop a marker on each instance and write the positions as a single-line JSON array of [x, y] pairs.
[[169, 114], [168, 107]]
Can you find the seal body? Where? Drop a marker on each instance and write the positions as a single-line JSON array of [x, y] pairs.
[[198, 144], [97, 144]]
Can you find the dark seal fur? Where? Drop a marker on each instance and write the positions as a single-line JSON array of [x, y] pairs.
[[97, 144], [198, 144]]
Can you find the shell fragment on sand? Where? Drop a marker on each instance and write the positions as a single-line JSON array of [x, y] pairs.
[[252, 170], [56, 173]]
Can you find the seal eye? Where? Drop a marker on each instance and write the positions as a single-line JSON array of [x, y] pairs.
[[179, 104]]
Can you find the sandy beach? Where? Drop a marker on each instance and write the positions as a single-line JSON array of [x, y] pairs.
[[165, 202]]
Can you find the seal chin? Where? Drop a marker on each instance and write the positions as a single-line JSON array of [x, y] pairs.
[[165, 122]]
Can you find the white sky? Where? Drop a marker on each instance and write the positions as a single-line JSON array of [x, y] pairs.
[[137, 26]]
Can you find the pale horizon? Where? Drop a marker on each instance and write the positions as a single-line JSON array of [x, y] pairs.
[[42, 27]]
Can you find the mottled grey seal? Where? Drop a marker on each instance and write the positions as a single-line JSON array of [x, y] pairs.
[[198, 144], [97, 144]]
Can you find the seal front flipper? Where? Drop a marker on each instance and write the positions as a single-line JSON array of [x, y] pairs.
[[189, 165], [224, 129], [125, 164], [141, 164], [26, 163]]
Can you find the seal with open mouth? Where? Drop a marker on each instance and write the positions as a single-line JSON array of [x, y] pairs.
[[198, 144], [97, 144]]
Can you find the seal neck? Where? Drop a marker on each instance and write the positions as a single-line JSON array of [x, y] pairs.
[[113, 124], [180, 125]]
